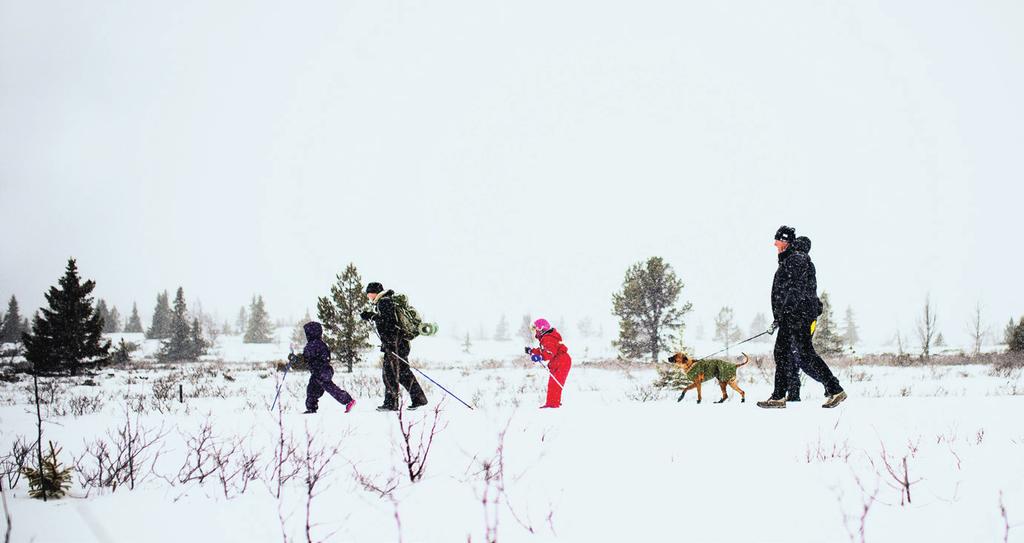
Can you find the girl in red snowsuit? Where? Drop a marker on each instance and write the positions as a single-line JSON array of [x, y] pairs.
[[556, 355]]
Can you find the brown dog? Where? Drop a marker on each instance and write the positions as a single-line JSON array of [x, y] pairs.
[[700, 371]]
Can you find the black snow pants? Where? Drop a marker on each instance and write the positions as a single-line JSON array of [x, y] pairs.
[[794, 351], [395, 372]]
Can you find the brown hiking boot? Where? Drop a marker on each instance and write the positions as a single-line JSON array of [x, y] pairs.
[[772, 403], [835, 400]]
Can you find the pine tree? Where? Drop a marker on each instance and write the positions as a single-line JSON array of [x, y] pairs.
[[180, 345], [299, 332], [940, 340], [827, 340], [524, 330], [647, 310], [501, 331], [467, 344], [1010, 331], [242, 322], [104, 313], [345, 333], [726, 331], [759, 325], [10, 330], [114, 324], [160, 327], [1016, 339], [260, 329], [198, 343], [68, 332], [586, 327], [134, 324], [851, 334]]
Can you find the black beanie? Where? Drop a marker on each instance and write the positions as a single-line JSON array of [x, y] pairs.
[[374, 288], [785, 233]]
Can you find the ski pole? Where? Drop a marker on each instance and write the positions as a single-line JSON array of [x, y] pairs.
[[291, 356], [425, 376], [549, 372]]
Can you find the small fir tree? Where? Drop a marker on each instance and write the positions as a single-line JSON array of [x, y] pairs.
[[648, 310], [467, 344], [68, 332], [524, 330], [179, 346], [726, 331], [501, 331], [11, 328], [260, 329], [346, 334], [851, 333], [134, 324], [827, 340], [160, 326]]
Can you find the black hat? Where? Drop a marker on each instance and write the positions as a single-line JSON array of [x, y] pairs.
[[374, 288], [785, 233]]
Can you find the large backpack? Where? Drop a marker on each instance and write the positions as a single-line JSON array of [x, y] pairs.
[[408, 318]]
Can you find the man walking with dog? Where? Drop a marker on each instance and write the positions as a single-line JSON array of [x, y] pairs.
[[796, 307]]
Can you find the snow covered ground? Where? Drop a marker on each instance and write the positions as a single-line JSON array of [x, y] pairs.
[[621, 460]]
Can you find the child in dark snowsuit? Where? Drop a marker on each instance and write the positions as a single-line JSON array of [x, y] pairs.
[[318, 357], [556, 355]]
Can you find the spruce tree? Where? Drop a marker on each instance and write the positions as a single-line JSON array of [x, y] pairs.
[[586, 327], [299, 332], [647, 309], [759, 325], [1010, 331], [345, 333], [179, 345], [68, 332], [726, 331], [1016, 339], [134, 324], [198, 343], [160, 327], [10, 330], [501, 331], [242, 322], [851, 334], [114, 324], [827, 340], [524, 330], [104, 313], [260, 329], [467, 344]]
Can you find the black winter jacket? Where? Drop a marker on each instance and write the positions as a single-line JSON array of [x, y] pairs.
[[386, 319], [795, 288]]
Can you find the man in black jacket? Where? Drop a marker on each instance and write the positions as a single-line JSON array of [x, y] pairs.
[[396, 348], [795, 306]]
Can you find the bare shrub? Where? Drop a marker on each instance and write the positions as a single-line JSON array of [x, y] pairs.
[[899, 473], [283, 466], [316, 460], [127, 456], [415, 446], [84, 405], [867, 500], [12, 463], [821, 452], [645, 393]]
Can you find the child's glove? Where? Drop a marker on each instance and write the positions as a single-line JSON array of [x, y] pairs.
[[292, 357], [536, 358], [366, 315], [528, 350]]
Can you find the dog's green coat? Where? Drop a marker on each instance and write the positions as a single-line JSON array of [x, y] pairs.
[[713, 369]]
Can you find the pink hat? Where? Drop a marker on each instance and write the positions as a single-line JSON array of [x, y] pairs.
[[542, 325]]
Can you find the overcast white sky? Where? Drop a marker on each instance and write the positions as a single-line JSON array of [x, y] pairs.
[[495, 157]]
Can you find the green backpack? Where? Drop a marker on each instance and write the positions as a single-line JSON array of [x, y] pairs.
[[408, 318]]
